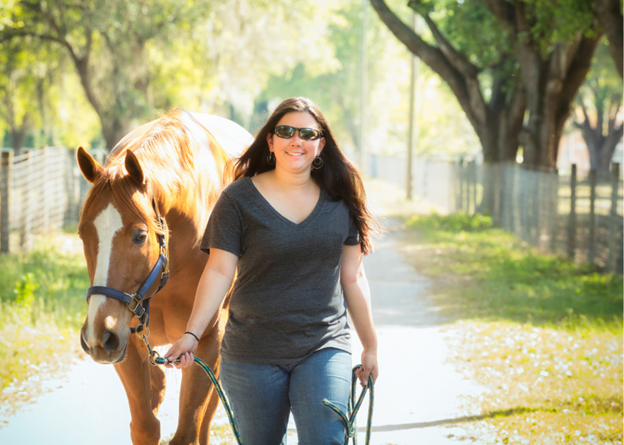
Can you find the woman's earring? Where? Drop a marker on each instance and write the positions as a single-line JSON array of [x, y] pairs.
[[317, 163], [271, 158]]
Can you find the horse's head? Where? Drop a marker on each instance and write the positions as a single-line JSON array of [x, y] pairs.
[[119, 231]]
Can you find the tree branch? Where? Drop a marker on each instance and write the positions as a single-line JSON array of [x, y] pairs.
[[576, 73], [610, 18], [503, 11], [473, 106], [458, 60]]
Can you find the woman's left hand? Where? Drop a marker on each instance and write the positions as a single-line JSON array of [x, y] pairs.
[[369, 367]]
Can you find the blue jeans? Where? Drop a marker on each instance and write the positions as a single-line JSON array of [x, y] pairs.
[[262, 397]]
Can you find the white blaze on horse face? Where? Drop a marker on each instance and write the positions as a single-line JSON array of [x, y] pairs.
[[107, 224]]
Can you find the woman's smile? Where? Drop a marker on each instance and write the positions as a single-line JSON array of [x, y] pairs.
[[295, 153]]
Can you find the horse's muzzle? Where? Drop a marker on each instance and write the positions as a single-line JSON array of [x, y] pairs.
[[106, 348]]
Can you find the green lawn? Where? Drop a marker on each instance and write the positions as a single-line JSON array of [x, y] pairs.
[[41, 307], [507, 279]]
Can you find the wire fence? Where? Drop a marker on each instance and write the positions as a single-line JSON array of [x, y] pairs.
[[576, 216], [40, 192]]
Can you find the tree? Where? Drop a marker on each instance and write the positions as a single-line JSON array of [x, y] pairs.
[[107, 42], [229, 58], [19, 89], [134, 58], [553, 42], [476, 66], [600, 102]]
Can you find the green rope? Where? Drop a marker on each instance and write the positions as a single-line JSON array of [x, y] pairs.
[[348, 420], [217, 385]]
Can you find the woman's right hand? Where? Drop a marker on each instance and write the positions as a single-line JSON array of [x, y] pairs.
[[182, 349]]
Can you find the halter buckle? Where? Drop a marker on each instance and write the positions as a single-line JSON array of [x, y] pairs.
[[136, 306], [165, 268]]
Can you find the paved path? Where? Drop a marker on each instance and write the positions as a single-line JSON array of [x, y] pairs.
[[418, 395]]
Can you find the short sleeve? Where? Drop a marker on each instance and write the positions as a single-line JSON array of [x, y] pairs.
[[224, 229], [353, 239]]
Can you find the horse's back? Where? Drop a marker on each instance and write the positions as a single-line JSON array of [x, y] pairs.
[[231, 136]]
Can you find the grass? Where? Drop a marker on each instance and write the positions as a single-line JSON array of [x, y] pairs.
[[41, 308], [541, 334], [504, 278]]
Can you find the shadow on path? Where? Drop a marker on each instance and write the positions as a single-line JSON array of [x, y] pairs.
[[463, 419]]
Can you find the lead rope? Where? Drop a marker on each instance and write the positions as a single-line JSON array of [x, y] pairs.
[[348, 420]]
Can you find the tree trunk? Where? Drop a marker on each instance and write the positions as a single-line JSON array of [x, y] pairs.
[[114, 129], [600, 146], [17, 139], [551, 83]]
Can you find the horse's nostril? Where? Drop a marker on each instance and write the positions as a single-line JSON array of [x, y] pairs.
[[83, 343], [110, 341]]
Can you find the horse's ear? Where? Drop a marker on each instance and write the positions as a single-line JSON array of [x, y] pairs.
[[133, 166], [88, 166]]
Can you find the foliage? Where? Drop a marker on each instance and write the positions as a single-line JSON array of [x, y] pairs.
[[503, 278], [443, 130], [136, 58], [559, 21], [228, 60], [455, 222], [41, 307], [47, 282], [473, 31]]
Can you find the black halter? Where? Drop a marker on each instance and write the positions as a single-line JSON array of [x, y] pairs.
[[137, 303]]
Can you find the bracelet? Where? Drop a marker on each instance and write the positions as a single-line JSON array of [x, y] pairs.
[[190, 333]]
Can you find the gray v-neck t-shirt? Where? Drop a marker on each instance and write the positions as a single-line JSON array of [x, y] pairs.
[[287, 300]]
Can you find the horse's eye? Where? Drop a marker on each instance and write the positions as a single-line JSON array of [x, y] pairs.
[[139, 238]]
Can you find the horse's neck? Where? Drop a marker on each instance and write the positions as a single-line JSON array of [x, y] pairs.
[[184, 237]]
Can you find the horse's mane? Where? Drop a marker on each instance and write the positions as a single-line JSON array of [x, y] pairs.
[[171, 160]]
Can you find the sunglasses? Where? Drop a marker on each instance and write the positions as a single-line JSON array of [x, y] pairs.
[[307, 134]]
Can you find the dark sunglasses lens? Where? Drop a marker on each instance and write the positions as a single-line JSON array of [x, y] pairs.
[[309, 134], [284, 131]]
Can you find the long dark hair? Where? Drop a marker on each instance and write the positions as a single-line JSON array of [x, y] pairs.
[[338, 175]]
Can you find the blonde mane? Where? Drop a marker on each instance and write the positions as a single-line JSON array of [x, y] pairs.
[[177, 169]]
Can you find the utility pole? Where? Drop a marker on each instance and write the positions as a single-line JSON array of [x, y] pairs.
[[363, 86], [412, 137]]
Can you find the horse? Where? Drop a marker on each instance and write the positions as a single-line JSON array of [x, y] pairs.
[[152, 199]]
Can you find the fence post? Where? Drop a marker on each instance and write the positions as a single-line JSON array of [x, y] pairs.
[[461, 184], [591, 242], [24, 220], [6, 164], [46, 190], [474, 187], [553, 194], [535, 211], [572, 217], [70, 187], [614, 243]]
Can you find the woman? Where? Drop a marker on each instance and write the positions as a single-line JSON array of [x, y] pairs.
[[296, 226]]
